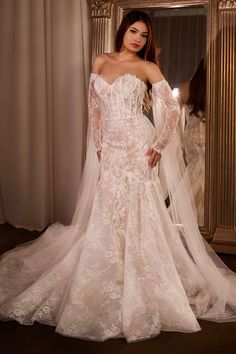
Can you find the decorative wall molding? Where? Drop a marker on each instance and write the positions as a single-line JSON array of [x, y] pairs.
[[101, 8], [224, 238], [102, 26], [227, 4]]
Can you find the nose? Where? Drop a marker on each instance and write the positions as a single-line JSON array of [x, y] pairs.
[[138, 38]]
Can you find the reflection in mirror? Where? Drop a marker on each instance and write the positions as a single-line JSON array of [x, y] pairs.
[[181, 41], [193, 119]]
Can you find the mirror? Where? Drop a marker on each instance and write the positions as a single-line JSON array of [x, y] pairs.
[[217, 32], [181, 41]]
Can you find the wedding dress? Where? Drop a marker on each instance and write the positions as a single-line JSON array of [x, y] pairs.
[[126, 267]]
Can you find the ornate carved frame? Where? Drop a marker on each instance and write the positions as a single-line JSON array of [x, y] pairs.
[[219, 227]]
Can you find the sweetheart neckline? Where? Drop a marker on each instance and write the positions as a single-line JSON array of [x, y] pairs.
[[126, 74], [118, 77]]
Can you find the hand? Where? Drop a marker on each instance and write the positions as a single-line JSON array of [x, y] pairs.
[[154, 157], [99, 154]]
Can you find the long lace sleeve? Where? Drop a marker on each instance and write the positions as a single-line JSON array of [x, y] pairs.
[[162, 93], [94, 114]]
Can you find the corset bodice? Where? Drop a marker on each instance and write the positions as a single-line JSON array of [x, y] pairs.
[[122, 99]]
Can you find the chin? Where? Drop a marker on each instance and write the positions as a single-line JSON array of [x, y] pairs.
[[133, 50]]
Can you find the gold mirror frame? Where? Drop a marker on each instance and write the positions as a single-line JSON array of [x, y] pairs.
[[219, 227]]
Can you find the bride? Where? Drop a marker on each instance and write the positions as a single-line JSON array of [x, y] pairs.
[[127, 266]]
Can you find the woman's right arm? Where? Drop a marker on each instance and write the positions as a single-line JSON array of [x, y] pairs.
[[94, 107]]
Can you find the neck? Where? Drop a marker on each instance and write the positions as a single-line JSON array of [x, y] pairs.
[[125, 54]]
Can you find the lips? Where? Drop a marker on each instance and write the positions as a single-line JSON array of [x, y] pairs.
[[135, 45]]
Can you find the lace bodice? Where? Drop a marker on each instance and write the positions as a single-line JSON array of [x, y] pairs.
[[121, 102], [122, 99]]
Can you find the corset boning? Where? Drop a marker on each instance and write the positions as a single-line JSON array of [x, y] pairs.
[[121, 108]]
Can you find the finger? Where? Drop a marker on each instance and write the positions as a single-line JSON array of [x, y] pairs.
[[149, 152], [151, 159], [156, 160], [158, 157]]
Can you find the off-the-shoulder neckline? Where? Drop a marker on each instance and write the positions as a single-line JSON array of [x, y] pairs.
[[124, 74]]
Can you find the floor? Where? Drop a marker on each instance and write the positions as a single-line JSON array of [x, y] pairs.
[[214, 338]]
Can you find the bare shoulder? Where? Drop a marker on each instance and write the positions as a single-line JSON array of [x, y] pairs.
[[98, 62], [153, 72]]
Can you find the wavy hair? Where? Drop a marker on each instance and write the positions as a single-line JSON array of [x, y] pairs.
[[149, 51], [197, 90]]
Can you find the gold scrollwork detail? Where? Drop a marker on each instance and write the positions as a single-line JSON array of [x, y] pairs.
[[101, 8], [227, 4]]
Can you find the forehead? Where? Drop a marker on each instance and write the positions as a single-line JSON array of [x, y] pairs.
[[140, 25]]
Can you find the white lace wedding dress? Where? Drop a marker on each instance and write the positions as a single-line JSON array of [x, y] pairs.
[[127, 272]]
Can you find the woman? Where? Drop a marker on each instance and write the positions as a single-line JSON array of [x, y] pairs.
[[124, 268]]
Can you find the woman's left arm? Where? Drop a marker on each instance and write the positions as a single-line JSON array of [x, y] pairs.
[[161, 92]]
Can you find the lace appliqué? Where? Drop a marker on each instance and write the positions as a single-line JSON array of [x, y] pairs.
[[161, 91], [95, 114]]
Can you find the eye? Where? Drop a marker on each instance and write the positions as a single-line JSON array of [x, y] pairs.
[[144, 35], [133, 31]]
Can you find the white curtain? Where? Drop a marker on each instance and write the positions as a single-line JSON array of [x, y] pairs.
[[44, 68]]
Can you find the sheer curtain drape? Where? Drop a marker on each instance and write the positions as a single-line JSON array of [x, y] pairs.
[[44, 66]]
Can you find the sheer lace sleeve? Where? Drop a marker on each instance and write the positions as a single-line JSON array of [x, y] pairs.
[[94, 113], [162, 92]]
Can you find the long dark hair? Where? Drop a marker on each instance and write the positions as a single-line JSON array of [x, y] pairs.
[[197, 90], [149, 51]]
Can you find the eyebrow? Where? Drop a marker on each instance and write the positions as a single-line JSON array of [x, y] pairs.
[[138, 30]]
